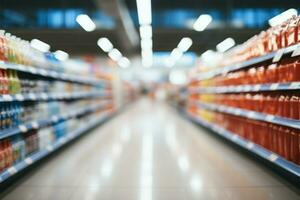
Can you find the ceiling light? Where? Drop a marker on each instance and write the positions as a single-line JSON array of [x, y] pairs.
[[115, 54], [61, 55], [184, 44], [146, 44], [144, 11], [124, 62], [40, 45], [225, 45], [279, 19], [146, 31], [86, 22], [176, 54], [202, 22], [105, 44]]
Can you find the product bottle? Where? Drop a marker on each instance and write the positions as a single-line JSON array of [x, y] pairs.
[[5, 82]]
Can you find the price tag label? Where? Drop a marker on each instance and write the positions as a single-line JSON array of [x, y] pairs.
[[257, 87], [53, 74], [270, 118], [274, 86], [20, 97], [63, 140], [237, 112], [44, 96], [32, 70], [23, 128], [54, 118], [251, 114], [295, 85], [43, 72], [273, 157], [50, 148], [35, 125], [278, 55], [28, 161], [12, 170], [250, 145], [296, 52], [7, 97], [32, 96], [234, 137]]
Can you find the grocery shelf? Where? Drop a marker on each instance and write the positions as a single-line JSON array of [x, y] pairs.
[[53, 147], [223, 70], [52, 74], [37, 124], [251, 114], [250, 146], [51, 96], [246, 88]]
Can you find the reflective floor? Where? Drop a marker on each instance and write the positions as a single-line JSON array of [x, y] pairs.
[[149, 152]]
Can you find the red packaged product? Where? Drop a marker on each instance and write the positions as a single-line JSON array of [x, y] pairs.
[[296, 71], [286, 108], [291, 36], [280, 141], [294, 106]]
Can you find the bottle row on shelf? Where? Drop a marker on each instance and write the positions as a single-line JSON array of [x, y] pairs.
[[13, 83], [288, 70], [16, 148], [13, 114], [283, 141], [275, 38], [279, 104]]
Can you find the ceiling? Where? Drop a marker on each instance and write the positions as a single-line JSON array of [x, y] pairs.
[[77, 41]]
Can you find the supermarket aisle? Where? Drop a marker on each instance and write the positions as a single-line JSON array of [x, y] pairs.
[[150, 152]]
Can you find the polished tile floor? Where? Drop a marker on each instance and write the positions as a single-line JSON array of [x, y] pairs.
[[149, 152]]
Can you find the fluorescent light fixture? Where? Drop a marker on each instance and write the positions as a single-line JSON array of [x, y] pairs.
[[144, 11], [147, 58], [184, 44], [177, 77], [86, 22], [124, 62], [105, 44], [279, 19], [146, 31], [40, 45], [202, 22], [115, 54], [176, 54], [225, 45], [61, 55], [146, 44]]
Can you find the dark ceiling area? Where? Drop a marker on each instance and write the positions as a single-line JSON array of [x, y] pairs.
[[55, 21]]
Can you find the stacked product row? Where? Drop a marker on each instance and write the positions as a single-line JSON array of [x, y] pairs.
[[268, 118], [287, 70], [274, 103], [275, 38], [281, 140], [30, 125]]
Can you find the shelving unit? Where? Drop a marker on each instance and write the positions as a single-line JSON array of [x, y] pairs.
[[52, 96], [288, 51], [53, 147], [23, 128], [256, 149], [205, 94], [251, 114], [51, 74], [246, 88]]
